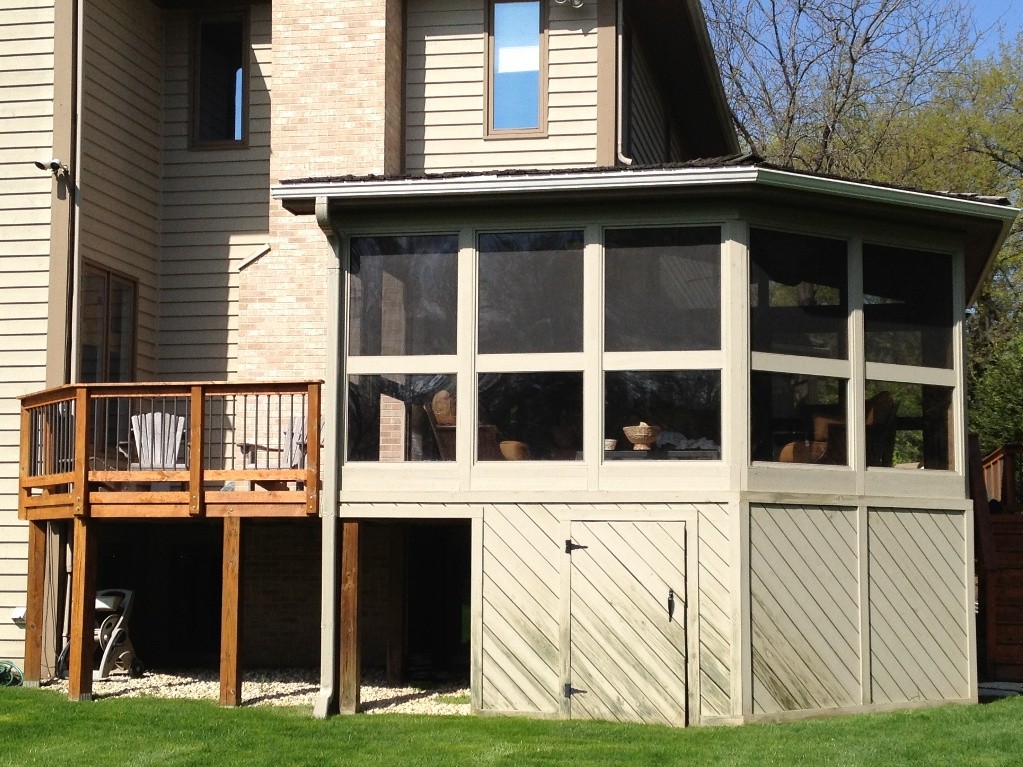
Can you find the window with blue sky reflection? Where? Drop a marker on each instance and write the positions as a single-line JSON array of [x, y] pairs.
[[516, 66]]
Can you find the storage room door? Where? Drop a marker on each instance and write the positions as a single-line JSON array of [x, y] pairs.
[[628, 622]]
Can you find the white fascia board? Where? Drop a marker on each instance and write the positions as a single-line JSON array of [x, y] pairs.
[[886, 195], [618, 181]]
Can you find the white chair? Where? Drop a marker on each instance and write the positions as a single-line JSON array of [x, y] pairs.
[[158, 439]]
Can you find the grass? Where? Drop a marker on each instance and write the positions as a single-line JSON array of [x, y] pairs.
[[39, 727], [453, 700]]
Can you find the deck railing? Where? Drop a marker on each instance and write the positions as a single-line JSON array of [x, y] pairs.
[[170, 450]]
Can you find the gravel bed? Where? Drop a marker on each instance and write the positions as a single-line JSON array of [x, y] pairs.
[[281, 687]]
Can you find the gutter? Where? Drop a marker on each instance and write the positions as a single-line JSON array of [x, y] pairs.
[[617, 181]]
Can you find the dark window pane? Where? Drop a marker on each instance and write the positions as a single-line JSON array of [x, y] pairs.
[[662, 289], [122, 330], [533, 416], [107, 330], [93, 328], [684, 407], [798, 294], [516, 65], [909, 425], [907, 296], [220, 83], [403, 295], [398, 418], [530, 292], [798, 419]]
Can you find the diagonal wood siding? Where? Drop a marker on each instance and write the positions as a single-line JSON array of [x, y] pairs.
[[919, 638], [628, 659], [521, 656], [715, 619], [804, 608]]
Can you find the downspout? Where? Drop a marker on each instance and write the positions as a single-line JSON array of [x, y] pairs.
[[326, 702], [58, 538], [74, 256], [620, 89]]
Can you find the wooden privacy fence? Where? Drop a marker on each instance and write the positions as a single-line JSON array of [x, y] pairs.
[[170, 450]]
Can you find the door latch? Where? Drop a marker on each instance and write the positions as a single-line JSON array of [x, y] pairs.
[[671, 604]]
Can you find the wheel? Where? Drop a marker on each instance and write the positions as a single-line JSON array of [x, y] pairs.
[[62, 662], [136, 668]]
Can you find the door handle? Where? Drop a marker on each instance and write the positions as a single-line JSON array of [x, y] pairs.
[[671, 604]]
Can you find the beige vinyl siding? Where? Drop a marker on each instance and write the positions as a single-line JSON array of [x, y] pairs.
[[26, 133], [919, 638], [446, 92], [120, 161], [215, 214], [647, 118], [804, 608], [715, 611], [521, 607]]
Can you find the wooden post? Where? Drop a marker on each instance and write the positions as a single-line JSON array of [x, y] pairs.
[[230, 615], [350, 659], [34, 620], [23, 459], [312, 451], [195, 453], [83, 610], [81, 469]]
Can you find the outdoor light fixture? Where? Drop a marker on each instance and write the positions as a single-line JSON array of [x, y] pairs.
[[55, 166]]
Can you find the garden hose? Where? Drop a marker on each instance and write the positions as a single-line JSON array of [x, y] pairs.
[[10, 675]]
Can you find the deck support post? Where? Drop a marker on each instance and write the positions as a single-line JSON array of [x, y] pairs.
[[34, 619], [83, 610], [230, 615], [350, 658]]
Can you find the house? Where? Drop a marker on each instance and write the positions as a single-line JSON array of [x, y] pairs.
[[407, 288]]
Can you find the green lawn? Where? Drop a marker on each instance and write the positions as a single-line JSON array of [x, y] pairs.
[[39, 727]]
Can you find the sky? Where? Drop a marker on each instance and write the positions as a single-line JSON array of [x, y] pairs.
[[988, 13]]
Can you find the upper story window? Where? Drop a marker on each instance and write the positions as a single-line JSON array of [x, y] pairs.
[[518, 60], [107, 330], [219, 81]]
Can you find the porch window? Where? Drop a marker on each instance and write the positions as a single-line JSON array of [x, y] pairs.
[[799, 339], [395, 418], [909, 425], [798, 418], [403, 295], [517, 63], [106, 344], [662, 289], [907, 297], [533, 355], [535, 416], [401, 334], [219, 81], [683, 409], [798, 294], [530, 292]]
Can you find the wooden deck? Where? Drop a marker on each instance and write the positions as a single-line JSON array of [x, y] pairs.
[[91, 453], [999, 562], [232, 460]]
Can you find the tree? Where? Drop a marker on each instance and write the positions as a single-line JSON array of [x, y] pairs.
[[817, 84]]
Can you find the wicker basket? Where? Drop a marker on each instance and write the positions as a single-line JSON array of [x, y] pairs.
[[642, 436]]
